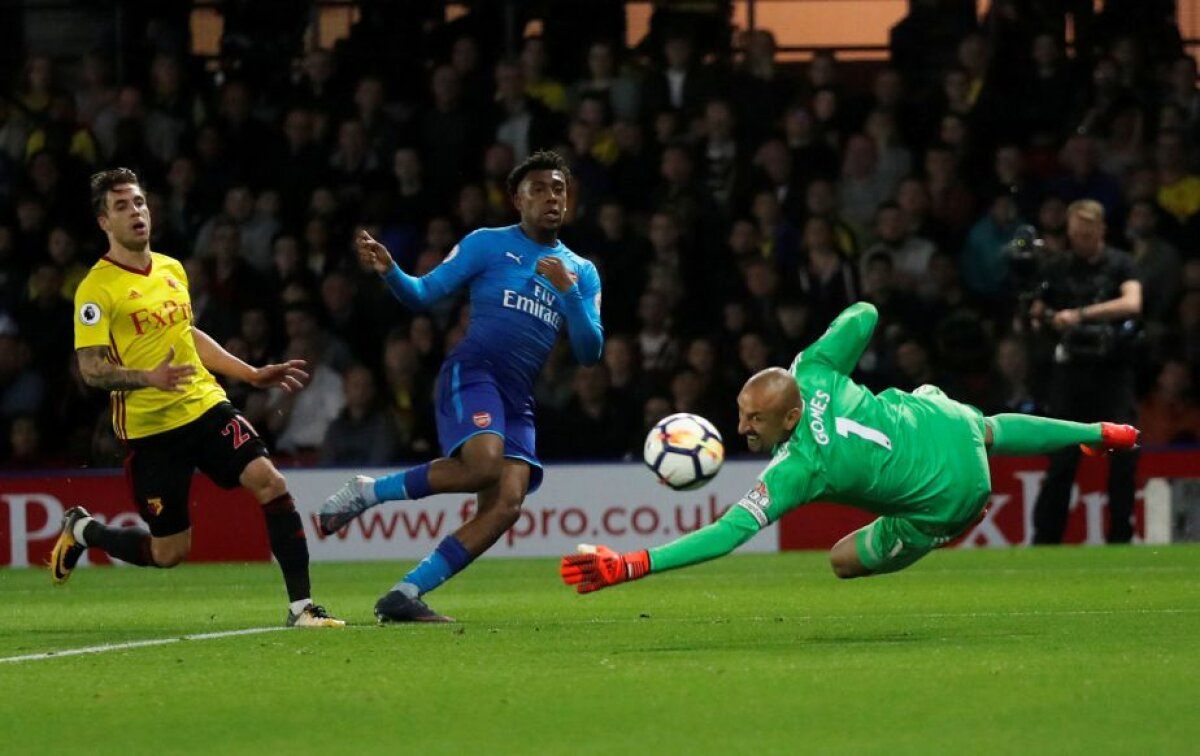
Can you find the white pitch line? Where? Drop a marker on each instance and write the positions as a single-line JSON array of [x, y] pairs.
[[138, 644]]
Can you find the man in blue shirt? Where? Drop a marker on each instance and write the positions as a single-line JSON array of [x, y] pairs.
[[525, 284]]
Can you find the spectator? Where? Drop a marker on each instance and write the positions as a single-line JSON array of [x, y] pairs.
[[1048, 88], [658, 347], [820, 201], [1012, 389], [827, 279], [1171, 415], [25, 450], [300, 421], [1009, 175], [349, 320], [623, 365], [604, 77], [1178, 187], [952, 202], [21, 386], [448, 134], [538, 83], [297, 163], [408, 391], [590, 426], [1157, 262], [47, 319], [518, 120], [759, 89], [811, 156], [682, 85], [985, 260], [212, 314], [900, 310], [1081, 177], [893, 158], [719, 153], [909, 254], [361, 435], [302, 324], [862, 189], [95, 91], [171, 109]]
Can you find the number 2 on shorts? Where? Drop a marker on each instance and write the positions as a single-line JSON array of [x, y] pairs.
[[845, 426]]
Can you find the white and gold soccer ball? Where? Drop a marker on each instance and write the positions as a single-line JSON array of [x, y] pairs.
[[684, 450]]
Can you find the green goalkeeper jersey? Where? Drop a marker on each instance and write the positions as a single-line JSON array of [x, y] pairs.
[[920, 456]]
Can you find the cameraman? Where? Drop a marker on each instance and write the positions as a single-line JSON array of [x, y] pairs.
[[1091, 299]]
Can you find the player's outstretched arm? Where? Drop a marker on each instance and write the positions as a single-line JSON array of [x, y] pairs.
[[289, 376], [597, 567], [417, 293], [843, 343], [100, 371]]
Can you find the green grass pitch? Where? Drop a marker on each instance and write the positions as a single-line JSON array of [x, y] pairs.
[[1072, 650]]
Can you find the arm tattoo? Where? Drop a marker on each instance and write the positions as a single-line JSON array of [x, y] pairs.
[[100, 371]]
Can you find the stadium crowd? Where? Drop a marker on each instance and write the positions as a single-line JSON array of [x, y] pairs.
[[734, 205]]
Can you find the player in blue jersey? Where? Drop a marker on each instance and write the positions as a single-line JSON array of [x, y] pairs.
[[525, 284]]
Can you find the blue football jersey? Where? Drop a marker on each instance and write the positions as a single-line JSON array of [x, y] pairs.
[[516, 313]]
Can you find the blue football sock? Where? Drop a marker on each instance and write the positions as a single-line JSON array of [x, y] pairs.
[[413, 483], [445, 561]]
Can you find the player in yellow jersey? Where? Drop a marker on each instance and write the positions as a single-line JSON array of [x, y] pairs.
[[134, 337]]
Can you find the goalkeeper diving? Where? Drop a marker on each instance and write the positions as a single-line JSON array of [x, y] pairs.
[[917, 460]]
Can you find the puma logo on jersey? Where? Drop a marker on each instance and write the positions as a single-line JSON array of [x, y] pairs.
[[135, 294], [514, 256]]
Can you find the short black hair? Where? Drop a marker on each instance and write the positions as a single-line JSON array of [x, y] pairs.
[[542, 160], [104, 182]]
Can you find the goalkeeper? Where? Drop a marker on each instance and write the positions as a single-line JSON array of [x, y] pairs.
[[918, 461]]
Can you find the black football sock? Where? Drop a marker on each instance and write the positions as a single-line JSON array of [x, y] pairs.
[[130, 545], [289, 545]]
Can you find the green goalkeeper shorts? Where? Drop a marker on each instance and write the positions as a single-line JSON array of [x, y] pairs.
[[892, 543]]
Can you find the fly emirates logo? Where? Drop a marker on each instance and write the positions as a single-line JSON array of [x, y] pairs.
[[540, 305], [167, 314]]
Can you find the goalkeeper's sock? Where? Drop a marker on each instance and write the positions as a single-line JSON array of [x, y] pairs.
[[130, 545], [448, 559], [1026, 434], [413, 483]]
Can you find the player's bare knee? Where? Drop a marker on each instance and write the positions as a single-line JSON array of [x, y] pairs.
[[274, 485], [168, 556], [262, 479], [843, 571], [508, 512], [844, 567]]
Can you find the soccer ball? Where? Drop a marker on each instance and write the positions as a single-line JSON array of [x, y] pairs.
[[685, 451]]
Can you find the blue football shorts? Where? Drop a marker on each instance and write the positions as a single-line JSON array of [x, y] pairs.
[[470, 402]]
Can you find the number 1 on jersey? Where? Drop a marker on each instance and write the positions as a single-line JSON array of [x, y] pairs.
[[845, 426]]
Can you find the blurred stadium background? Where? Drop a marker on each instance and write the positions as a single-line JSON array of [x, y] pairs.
[[821, 152]]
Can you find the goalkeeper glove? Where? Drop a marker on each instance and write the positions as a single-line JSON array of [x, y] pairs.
[[596, 567]]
